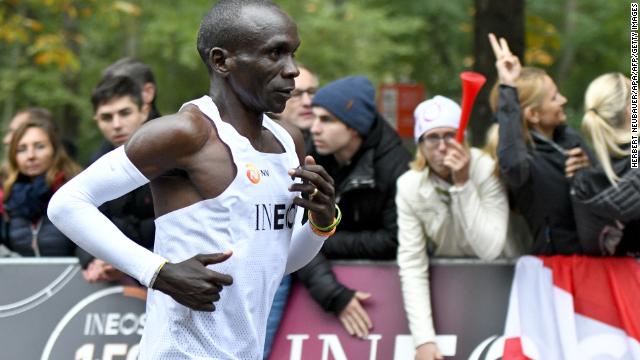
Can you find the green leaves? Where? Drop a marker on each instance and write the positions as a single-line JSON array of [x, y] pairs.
[[53, 51], [353, 38]]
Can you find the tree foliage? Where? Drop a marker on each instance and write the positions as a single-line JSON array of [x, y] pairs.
[[53, 51]]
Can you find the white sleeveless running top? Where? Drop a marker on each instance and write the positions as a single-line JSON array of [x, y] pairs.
[[254, 217]]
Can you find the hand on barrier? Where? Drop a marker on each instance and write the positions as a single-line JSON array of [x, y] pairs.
[[428, 351], [99, 270], [354, 317], [90, 274], [191, 283]]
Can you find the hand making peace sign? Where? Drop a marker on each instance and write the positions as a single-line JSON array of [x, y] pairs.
[[507, 64]]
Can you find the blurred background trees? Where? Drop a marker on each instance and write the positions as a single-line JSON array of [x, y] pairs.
[[52, 51]]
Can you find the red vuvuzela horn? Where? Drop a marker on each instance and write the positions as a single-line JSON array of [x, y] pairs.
[[471, 84]]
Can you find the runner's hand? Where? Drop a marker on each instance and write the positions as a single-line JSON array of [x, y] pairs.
[[319, 185], [191, 283]]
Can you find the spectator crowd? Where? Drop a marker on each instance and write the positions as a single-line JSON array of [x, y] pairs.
[[537, 187]]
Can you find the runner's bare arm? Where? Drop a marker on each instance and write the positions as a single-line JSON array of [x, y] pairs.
[[168, 142], [73, 209]]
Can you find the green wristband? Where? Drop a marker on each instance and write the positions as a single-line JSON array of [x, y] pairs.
[[335, 223]]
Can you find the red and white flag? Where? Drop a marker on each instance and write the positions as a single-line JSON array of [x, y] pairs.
[[574, 307]]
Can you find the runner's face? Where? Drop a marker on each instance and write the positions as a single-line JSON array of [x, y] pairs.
[[263, 70]]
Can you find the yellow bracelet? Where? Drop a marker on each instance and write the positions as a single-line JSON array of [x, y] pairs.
[[155, 275], [336, 221]]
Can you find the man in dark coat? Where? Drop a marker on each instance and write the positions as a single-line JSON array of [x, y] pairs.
[[364, 155]]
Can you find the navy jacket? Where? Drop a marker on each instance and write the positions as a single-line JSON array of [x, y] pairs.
[[24, 238]]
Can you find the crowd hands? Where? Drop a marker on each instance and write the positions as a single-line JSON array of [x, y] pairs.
[[452, 200]]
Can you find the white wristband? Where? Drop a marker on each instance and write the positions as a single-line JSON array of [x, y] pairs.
[[74, 210]]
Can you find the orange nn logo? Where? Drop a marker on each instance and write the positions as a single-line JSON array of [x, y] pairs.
[[253, 174]]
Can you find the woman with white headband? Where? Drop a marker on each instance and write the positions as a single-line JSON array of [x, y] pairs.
[[449, 204]]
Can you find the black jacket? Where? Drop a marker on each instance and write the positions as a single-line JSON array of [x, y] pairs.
[[535, 176], [607, 216], [365, 192]]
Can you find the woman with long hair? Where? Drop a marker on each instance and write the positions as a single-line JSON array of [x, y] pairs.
[[607, 122], [37, 166], [537, 152], [606, 198]]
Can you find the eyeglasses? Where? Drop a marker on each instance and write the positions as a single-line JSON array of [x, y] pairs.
[[297, 93], [433, 140]]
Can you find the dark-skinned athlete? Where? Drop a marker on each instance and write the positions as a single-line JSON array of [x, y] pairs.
[[227, 184]]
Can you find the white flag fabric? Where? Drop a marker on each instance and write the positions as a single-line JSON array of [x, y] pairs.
[[574, 307]]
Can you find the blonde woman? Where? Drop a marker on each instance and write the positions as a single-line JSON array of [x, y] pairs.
[[537, 152], [606, 199], [37, 166], [449, 204]]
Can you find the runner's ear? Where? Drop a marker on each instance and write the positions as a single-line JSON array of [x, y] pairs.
[[220, 60]]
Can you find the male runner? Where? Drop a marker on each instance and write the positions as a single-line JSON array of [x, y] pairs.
[[225, 179]]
